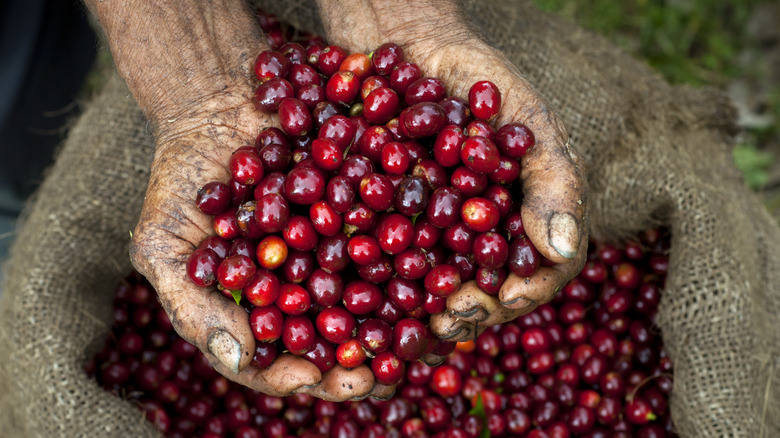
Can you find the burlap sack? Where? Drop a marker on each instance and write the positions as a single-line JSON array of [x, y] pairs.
[[656, 154]]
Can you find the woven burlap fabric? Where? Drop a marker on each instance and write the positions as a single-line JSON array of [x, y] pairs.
[[656, 154], [65, 265]]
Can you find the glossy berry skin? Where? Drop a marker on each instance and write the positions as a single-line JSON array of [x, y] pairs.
[[263, 289], [395, 233], [332, 253], [266, 323], [395, 158], [385, 57], [524, 259], [377, 192], [270, 93], [484, 100], [380, 106], [403, 74], [304, 185], [446, 148], [444, 207], [330, 59], [411, 264], [364, 250], [514, 139], [378, 272], [324, 218], [411, 196], [298, 334], [293, 299], [426, 235], [508, 171], [375, 335], [459, 238], [362, 298], [490, 250], [424, 90], [202, 267], [387, 367], [327, 154], [322, 354], [342, 88], [479, 154], [325, 288], [490, 281], [271, 64], [245, 166], [335, 324], [298, 266], [299, 234], [469, 182], [350, 354], [480, 214], [409, 339], [271, 252], [442, 281], [371, 83], [340, 194], [422, 120], [355, 168], [407, 295], [338, 129], [235, 272], [294, 117], [457, 110], [213, 198]]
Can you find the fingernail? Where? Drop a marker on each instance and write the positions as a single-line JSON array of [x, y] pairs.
[[564, 236], [466, 313], [226, 348], [511, 303]]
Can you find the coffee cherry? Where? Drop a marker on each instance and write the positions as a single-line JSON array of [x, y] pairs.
[[480, 214], [235, 272], [388, 369], [266, 323], [350, 354], [484, 100], [298, 334], [335, 324], [442, 281], [271, 252], [271, 64]]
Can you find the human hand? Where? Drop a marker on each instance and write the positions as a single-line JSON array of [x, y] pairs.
[[189, 66], [434, 35]]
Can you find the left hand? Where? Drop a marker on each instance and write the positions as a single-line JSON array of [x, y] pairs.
[[435, 36]]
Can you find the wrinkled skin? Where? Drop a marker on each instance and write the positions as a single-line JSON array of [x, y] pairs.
[[554, 207], [189, 66]]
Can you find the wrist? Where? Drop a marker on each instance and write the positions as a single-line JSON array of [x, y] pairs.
[[174, 54]]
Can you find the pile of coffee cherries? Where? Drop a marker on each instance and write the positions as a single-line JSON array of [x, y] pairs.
[[378, 197], [589, 364]]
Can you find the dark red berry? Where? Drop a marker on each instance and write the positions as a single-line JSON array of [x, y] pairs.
[[484, 100]]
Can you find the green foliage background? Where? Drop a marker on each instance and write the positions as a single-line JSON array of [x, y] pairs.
[[695, 42]]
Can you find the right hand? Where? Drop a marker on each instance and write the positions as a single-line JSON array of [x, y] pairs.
[[189, 67]]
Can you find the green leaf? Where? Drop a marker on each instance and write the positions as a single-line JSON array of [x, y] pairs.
[[414, 218], [479, 411], [236, 295]]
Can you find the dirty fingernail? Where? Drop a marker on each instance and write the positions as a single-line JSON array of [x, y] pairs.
[[226, 348], [564, 236], [518, 303]]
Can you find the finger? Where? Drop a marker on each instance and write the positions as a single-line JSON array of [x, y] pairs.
[[382, 392], [433, 360], [471, 304], [454, 329], [341, 384], [521, 292], [287, 375]]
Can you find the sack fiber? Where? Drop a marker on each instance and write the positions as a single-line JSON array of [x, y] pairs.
[[656, 154]]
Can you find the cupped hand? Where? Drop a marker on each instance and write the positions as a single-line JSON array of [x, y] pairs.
[[189, 66], [435, 36]]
